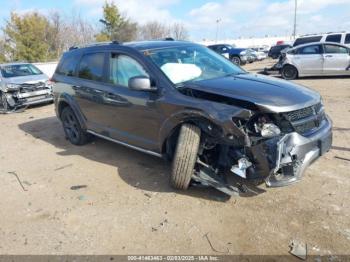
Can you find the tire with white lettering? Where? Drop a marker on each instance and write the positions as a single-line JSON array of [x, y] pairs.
[[185, 156]]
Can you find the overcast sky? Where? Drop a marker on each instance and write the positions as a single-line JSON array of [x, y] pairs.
[[239, 18]]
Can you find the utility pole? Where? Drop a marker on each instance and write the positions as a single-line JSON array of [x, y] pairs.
[[217, 29], [295, 19]]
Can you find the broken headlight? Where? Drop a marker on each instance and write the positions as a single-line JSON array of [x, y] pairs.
[[264, 126], [270, 130], [12, 86]]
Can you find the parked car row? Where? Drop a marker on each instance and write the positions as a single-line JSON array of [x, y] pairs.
[[239, 56]]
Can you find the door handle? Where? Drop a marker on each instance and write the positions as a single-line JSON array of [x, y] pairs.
[[329, 56], [76, 87], [115, 99]]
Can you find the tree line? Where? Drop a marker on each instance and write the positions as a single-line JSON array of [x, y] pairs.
[[34, 37]]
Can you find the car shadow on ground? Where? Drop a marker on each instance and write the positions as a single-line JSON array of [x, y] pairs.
[[135, 168]]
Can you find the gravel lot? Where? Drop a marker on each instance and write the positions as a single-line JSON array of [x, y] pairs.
[[129, 208]]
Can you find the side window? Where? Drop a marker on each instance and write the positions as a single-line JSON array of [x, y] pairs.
[[91, 66], [333, 38], [334, 49], [310, 50], [215, 48], [224, 49], [305, 40], [122, 68], [67, 65], [347, 39]]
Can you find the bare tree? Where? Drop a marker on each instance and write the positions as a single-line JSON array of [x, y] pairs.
[[157, 30], [153, 30], [67, 31], [179, 31], [2, 49]]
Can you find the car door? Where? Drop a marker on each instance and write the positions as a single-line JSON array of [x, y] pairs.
[[309, 60], [129, 116], [90, 87], [336, 60]]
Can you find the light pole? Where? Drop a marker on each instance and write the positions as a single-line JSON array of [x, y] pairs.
[[217, 29], [295, 19]]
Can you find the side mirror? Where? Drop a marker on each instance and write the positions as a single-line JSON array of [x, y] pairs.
[[141, 83]]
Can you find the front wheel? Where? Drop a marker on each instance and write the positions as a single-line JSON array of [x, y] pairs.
[[289, 72], [4, 104], [185, 156]]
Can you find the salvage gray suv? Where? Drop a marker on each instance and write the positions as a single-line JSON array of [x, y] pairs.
[[183, 102], [21, 85]]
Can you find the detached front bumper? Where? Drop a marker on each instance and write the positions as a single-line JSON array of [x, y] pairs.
[[295, 152]]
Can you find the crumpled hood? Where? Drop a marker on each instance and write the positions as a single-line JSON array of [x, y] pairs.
[[268, 93], [32, 79]]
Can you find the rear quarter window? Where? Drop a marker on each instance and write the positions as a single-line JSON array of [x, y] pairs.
[[68, 65]]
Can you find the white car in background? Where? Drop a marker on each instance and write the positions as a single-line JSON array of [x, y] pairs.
[[339, 38], [315, 59]]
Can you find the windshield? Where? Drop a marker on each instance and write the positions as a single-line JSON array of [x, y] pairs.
[[192, 63], [19, 70]]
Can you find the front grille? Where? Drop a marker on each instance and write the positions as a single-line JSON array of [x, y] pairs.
[[303, 128], [301, 113], [33, 87], [306, 119]]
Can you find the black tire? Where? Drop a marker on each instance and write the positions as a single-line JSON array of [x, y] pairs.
[[185, 156], [4, 105], [289, 72], [236, 60], [71, 126]]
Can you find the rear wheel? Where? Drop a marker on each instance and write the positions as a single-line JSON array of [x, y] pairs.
[[236, 60], [289, 72], [185, 156], [74, 133]]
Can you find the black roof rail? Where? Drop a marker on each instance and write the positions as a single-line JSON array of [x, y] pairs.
[[94, 44], [163, 39]]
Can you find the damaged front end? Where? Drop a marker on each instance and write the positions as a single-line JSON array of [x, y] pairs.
[[274, 148], [18, 96], [277, 67]]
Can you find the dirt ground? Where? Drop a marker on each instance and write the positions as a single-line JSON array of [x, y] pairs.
[[128, 206]]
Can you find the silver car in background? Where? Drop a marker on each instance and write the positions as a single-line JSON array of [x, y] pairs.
[[314, 59], [21, 85]]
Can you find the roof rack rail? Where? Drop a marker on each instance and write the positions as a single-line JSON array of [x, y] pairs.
[[323, 33], [163, 39], [94, 44]]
